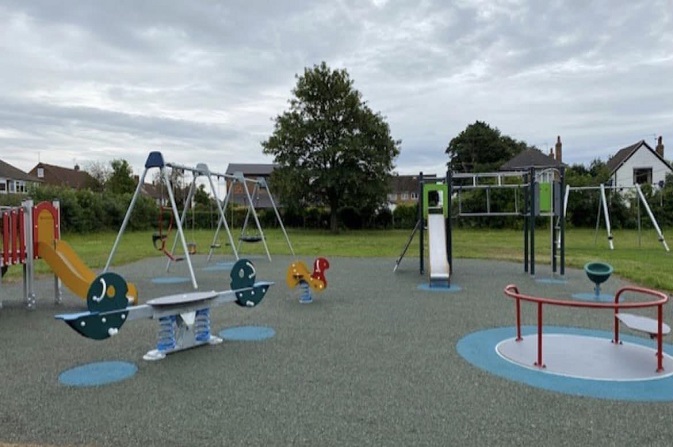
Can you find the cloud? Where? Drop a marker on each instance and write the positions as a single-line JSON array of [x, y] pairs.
[[89, 81]]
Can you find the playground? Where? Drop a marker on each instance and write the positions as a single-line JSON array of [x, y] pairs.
[[430, 349], [372, 360]]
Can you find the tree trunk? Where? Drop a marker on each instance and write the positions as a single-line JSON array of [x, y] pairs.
[[333, 221]]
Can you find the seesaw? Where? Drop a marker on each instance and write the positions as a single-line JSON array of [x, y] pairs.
[[184, 319]]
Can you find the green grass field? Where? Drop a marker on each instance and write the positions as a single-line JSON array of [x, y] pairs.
[[641, 259]]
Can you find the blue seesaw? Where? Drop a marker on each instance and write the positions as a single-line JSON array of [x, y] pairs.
[[184, 319]]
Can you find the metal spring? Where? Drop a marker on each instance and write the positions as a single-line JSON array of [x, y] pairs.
[[166, 333], [202, 325], [305, 292]]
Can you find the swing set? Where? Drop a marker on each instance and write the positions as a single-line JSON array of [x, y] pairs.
[[176, 221], [604, 210]]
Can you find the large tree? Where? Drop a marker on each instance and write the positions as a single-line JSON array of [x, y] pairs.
[[330, 147], [120, 180], [481, 148]]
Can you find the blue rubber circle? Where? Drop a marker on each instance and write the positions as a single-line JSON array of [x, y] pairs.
[[551, 280], [602, 298], [247, 333], [220, 266], [479, 349], [171, 280], [444, 289], [98, 374]]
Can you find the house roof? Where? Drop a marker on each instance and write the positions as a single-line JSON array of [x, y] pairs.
[[58, 175], [251, 169], [260, 200], [624, 154], [10, 172], [407, 183], [531, 158]]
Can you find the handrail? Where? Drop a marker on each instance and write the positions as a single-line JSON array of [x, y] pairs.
[[512, 291]]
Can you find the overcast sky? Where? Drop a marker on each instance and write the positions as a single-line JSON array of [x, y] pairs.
[[202, 81]]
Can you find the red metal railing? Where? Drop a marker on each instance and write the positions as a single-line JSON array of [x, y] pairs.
[[512, 291]]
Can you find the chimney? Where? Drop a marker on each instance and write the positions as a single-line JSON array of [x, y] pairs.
[[660, 147], [76, 167], [559, 149]]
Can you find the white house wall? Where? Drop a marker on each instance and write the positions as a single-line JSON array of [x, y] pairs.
[[643, 158]]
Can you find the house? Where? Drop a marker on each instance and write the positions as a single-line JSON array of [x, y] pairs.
[[60, 176], [638, 164], [252, 172], [14, 180], [404, 188], [155, 191]]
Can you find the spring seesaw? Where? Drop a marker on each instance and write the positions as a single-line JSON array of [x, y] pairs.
[[184, 319]]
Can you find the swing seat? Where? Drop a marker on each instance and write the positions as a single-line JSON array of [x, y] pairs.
[[158, 237], [250, 238], [191, 248]]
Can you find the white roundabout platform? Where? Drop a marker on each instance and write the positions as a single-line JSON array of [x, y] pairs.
[[586, 357]]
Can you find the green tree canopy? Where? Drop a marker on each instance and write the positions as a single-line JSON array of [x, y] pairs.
[[330, 147], [120, 180], [481, 148], [201, 196]]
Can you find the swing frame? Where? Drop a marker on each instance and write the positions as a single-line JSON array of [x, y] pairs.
[[260, 182]]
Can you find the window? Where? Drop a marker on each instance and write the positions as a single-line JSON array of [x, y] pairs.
[[392, 197], [405, 196], [414, 196], [3, 187], [642, 175], [40, 172]]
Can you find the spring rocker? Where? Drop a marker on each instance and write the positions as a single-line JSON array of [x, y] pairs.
[[299, 275], [598, 273], [184, 319]]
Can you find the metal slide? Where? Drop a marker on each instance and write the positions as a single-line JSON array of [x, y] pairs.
[[440, 271], [71, 269]]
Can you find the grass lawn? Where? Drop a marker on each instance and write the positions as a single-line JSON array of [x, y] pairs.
[[642, 259]]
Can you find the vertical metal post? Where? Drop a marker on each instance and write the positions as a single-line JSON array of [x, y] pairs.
[[421, 219], [533, 207], [562, 235], [449, 225], [660, 329], [526, 223], [539, 363], [29, 261]]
